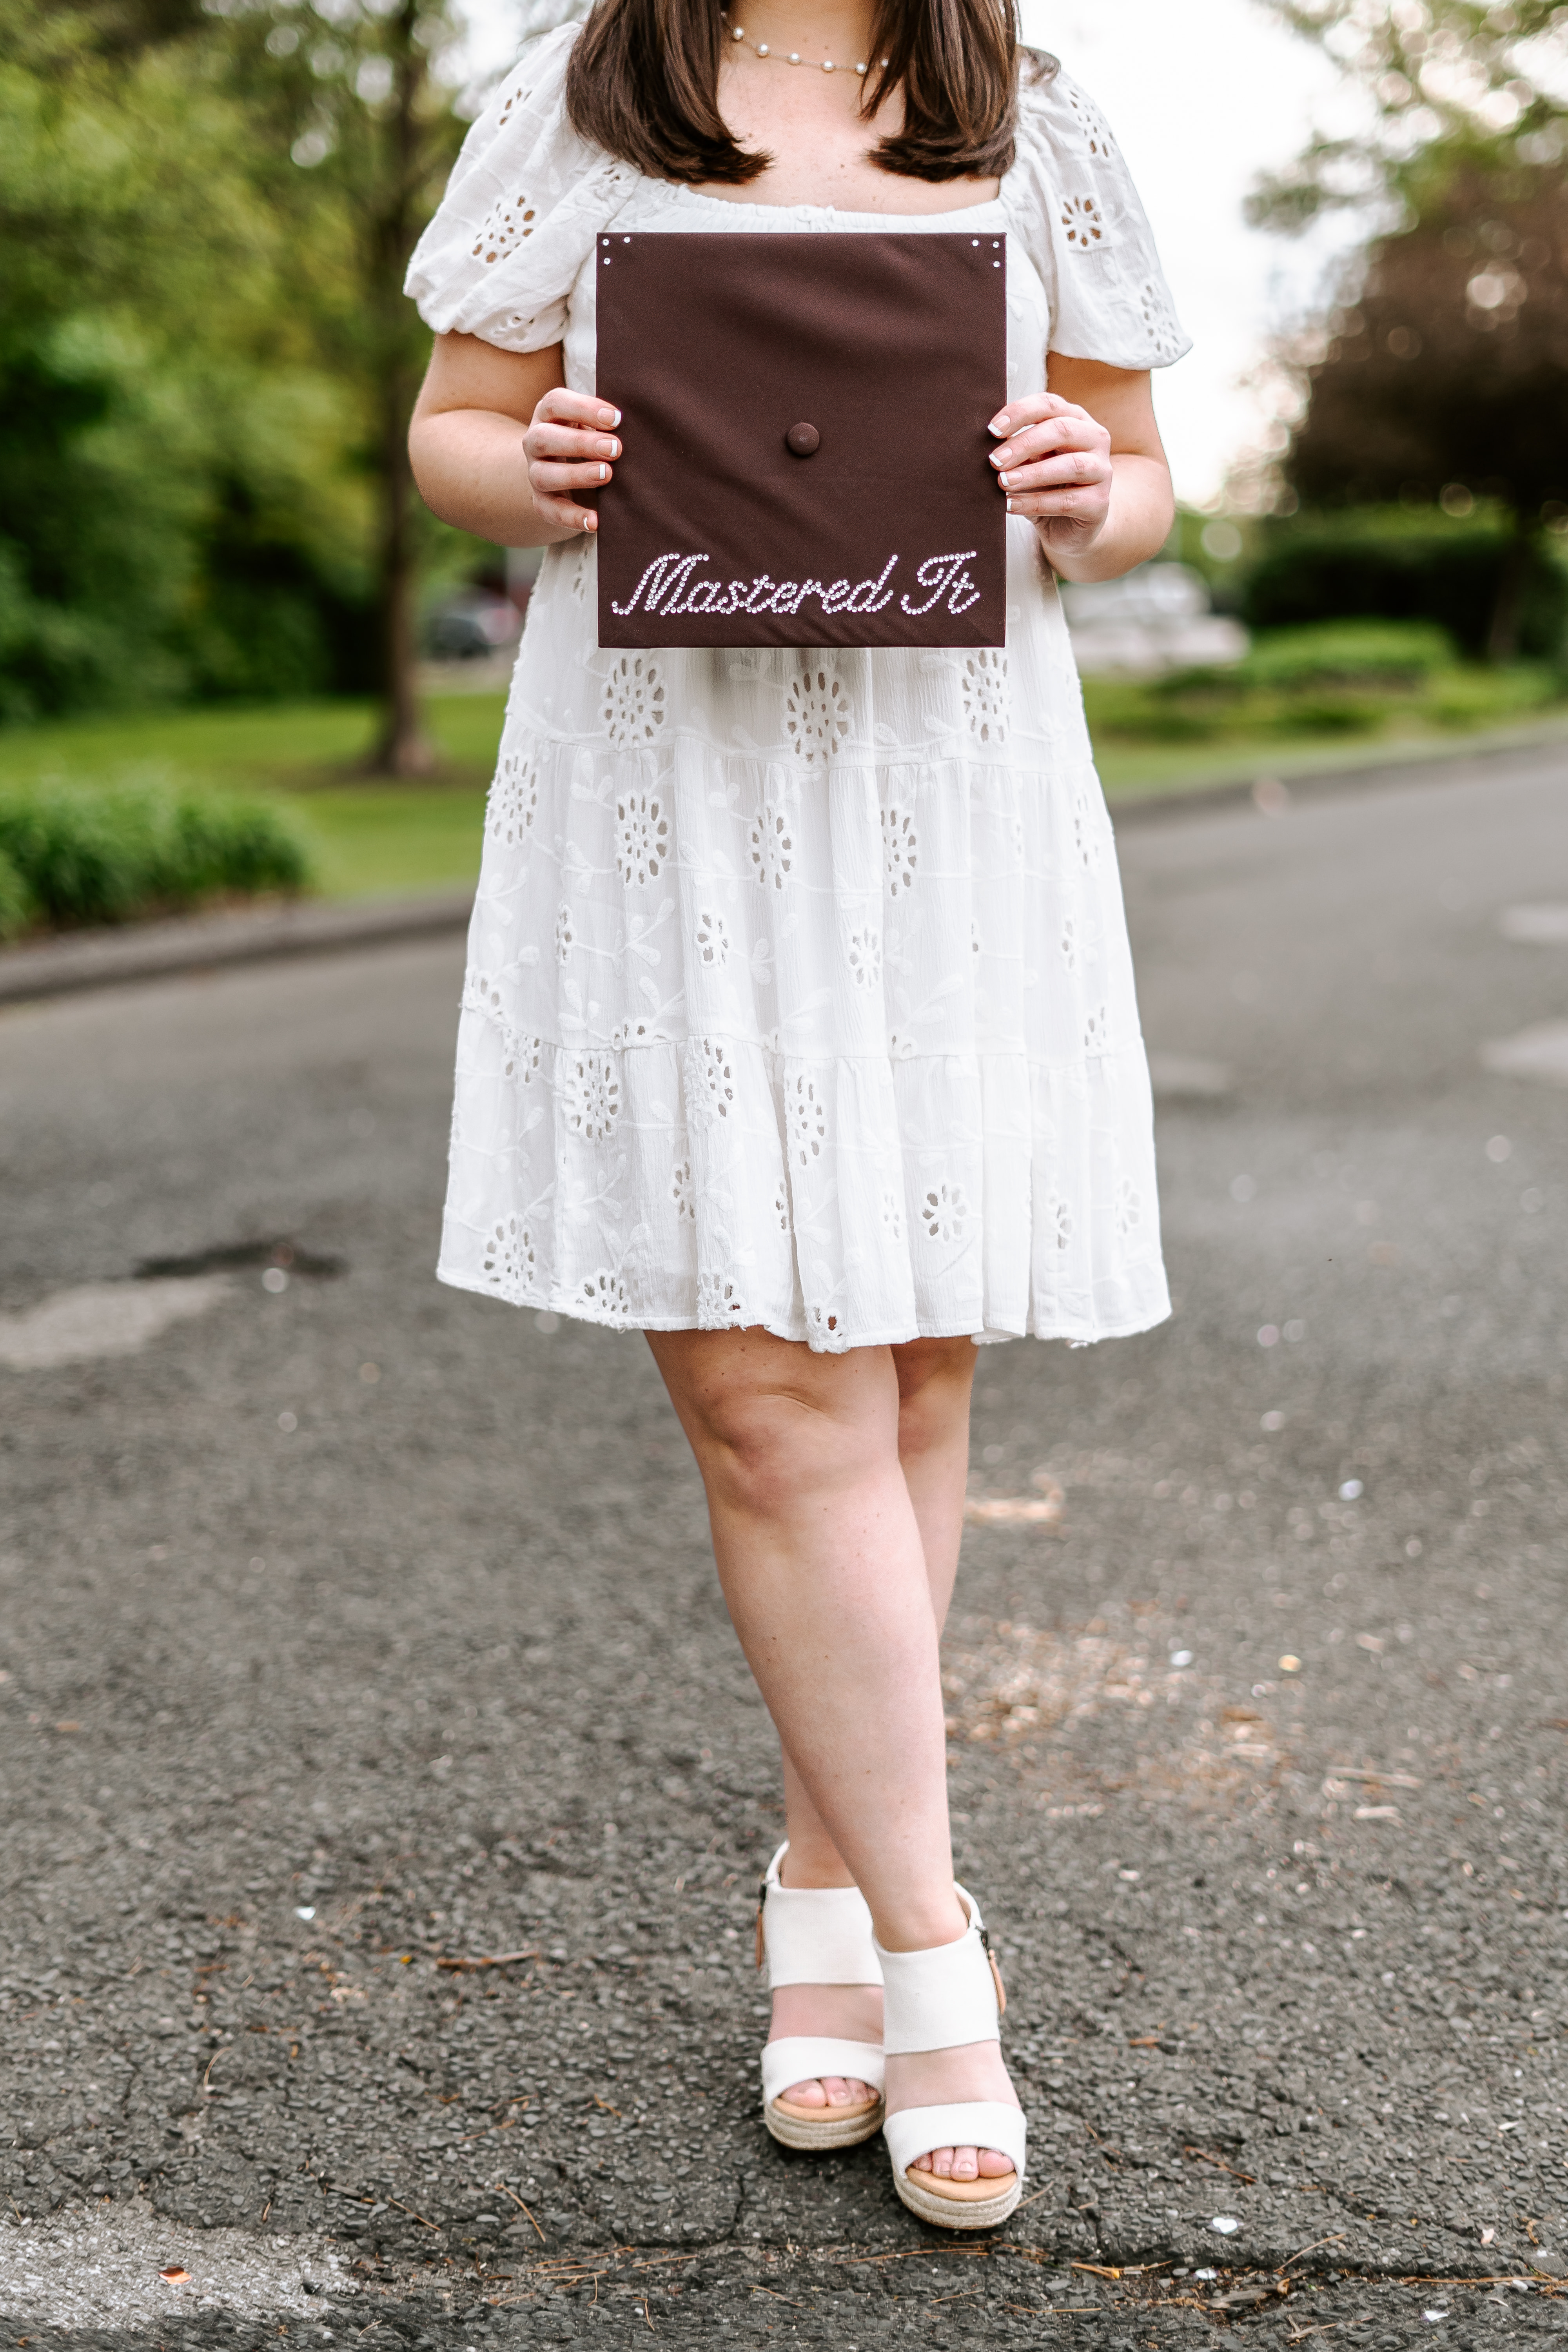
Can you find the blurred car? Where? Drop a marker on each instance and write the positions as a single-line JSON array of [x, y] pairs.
[[1154, 619], [471, 626]]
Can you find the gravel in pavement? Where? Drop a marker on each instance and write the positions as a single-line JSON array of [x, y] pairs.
[[385, 1793]]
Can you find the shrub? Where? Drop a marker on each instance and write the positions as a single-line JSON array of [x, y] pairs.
[[1390, 654], [1387, 564], [15, 906], [85, 855]]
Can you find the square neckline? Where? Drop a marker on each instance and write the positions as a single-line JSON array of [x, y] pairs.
[[681, 190]]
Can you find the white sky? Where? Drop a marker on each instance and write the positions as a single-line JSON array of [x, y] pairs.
[[1203, 95]]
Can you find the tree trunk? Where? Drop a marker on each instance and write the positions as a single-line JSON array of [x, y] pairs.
[[1507, 605], [402, 747]]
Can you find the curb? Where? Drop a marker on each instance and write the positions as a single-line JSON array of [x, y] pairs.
[[189, 943], [1272, 792]]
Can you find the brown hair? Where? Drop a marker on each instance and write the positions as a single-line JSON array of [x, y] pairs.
[[643, 84]]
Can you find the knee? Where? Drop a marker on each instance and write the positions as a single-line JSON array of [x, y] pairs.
[[769, 1453]]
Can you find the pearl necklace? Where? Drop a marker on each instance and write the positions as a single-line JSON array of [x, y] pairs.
[[761, 49]]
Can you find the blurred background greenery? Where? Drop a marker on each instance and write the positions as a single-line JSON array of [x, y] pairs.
[[215, 577]]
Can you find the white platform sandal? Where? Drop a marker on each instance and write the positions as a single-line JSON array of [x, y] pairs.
[[940, 2000], [818, 1936]]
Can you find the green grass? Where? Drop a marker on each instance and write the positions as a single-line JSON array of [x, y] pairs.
[[1343, 695], [366, 839], [1336, 694]]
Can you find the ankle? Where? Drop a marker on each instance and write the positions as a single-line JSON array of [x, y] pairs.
[[813, 1863], [923, 1924]]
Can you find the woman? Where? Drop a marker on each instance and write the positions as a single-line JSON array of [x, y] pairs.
[[818, 1134]]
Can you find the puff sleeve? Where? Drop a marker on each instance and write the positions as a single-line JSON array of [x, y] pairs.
[[523, 205], [1071, 203]]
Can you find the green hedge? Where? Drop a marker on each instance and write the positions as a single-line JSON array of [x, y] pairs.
[[72, 853], [1333, 677], [1391, 565]]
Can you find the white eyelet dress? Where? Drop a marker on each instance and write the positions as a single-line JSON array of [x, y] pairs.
[[798, 990]]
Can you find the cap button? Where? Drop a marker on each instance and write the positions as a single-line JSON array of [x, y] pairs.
[[803, 440]]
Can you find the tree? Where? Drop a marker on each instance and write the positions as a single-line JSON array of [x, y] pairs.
[[206, 362], [1447, 377], [1442, 372], [1455, 73], [360, 136]]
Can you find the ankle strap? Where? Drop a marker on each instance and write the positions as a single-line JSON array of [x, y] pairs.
[[813, 1935], [942, 1998]]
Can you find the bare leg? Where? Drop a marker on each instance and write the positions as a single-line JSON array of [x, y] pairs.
[[822, 1563], [935, 1377]]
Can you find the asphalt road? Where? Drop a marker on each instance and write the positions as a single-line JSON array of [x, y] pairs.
[[351, 1628]]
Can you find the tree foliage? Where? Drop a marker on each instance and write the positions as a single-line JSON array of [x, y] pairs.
[[1455, 75], [1443, 369], [1448, 373], [205, 361]]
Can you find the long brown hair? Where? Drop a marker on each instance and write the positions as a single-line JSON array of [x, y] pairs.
[[643, 84]]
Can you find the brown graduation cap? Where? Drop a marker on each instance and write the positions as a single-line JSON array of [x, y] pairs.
[[803, 420]]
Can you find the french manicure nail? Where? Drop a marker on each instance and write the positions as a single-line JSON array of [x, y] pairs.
[[998, 423], [604, 473], [1011, 508], [614, 417]]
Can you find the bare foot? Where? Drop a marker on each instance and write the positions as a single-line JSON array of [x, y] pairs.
[[938, 2078], [844, 2013]]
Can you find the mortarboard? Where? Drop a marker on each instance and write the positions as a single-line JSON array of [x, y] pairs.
[[803, 421]]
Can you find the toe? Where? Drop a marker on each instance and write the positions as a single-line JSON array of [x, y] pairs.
[[806, 2095], [993, 2163], [940, 2161], [965, 2164], [836, 2090]]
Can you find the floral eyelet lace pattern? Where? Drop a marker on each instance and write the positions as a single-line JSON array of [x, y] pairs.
[[984, 686], [770, 842], [509, 221], [1084, 223], [513, 800], [798, 990], [816, 711], [1160, 321], [633, 705], [901, 850], [642, 837], [1092, 125]]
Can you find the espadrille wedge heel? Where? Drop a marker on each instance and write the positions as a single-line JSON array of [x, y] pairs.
[[818, 1936], [942, 1999]]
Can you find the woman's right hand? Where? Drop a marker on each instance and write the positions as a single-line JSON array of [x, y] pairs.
[[569, 443]]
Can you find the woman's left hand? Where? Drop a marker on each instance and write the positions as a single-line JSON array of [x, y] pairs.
[[1053, 460]]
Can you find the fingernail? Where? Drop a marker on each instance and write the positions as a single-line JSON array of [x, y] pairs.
[[614, 418], [998, 423], [1011, 508], [604, 473], [1005, 480]]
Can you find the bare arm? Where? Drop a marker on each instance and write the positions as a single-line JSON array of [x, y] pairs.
[[1084, 461], [498, 444]]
